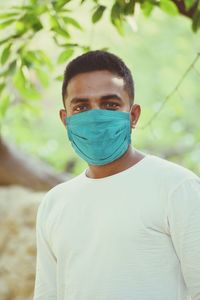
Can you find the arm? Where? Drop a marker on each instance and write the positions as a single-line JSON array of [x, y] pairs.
[[184, 226], [45, 282]]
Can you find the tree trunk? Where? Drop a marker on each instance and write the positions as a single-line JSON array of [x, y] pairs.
[[17, 168]]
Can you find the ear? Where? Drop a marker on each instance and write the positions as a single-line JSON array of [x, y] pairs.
[[63, 115], [135, 114]]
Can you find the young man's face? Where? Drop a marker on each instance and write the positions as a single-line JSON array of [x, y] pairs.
[[97, 90]]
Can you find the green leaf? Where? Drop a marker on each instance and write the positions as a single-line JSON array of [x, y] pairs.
[[4, 105], [26, 89], [2, 86], [36, 58], [53, 22], [5, 54], [8, 15], [62, 32], [189, 3], [40, 9], [20, 27], [34, 2], [118, 23], [116, 12], [121, 2], [117, 18], [72, 21], [29, 20], [19, 79], [65, 55], [66, 45], [104, 49], [59, 77], [4, 40], [12, 67], [44, 59], [22, 7], [9, 70], [32, 58], [37, 26], [59, 4], [97, 15], [27, 107], [29, 58], [56, 27], [147, 8], [7, 23], [169, 7], [196, 21], [43, 76], [129, 8], [30, 92], [85, 49]]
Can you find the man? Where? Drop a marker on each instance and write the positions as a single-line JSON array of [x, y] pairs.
[[128, 227]]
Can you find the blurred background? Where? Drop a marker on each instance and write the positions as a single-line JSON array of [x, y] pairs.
[[160, 42]]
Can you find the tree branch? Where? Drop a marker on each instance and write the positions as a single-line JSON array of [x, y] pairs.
[[16, 168], [174, 90], [180, 4]]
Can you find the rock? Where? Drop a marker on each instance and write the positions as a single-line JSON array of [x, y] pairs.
[[18, 209]]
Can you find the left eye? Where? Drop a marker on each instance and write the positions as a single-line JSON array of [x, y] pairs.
[[110, 105]]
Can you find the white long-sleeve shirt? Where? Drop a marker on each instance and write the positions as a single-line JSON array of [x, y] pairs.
[[134, 235]]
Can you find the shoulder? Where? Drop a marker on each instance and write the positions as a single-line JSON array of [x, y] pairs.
[[59, 195], [170, 172], [167, 168]]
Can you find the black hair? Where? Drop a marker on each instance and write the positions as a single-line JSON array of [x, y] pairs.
[[96, 61]]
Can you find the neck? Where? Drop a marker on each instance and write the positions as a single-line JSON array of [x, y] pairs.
[[130, 158]]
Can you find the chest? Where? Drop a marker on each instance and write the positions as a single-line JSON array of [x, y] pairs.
[[107, 220]]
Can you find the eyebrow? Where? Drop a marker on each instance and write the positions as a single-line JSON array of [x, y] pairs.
[[76, 100]]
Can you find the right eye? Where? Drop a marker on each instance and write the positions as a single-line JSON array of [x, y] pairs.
[[80, 108]]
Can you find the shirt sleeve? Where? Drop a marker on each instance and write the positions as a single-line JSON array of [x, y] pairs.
[[45, 282], [184, 227]]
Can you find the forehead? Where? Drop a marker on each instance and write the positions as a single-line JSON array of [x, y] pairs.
[[95, 84]]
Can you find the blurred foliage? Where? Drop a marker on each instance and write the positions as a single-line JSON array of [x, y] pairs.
[[24, 69], [38, 37]]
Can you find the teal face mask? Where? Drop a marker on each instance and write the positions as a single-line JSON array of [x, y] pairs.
[[99, 136]]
